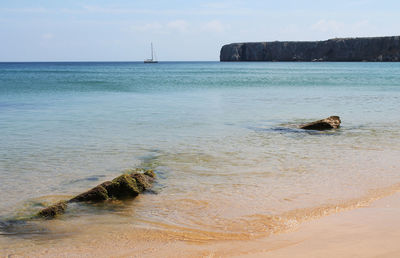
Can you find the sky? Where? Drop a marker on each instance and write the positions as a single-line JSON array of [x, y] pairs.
[[122, 30]]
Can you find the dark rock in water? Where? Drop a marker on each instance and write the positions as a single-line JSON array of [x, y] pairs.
[[150, 173], [53, 210], [122, 187], [373, 49], [142, 181], [147, 172], [332, 122], [96, 194]]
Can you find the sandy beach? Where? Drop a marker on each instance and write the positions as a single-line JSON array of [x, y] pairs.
[[371, 231]]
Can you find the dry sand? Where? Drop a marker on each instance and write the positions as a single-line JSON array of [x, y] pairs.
[[372, 231]]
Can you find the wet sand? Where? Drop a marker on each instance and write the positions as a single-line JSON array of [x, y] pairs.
[[371, 231]]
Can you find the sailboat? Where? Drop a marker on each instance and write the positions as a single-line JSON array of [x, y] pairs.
[[152, 60]]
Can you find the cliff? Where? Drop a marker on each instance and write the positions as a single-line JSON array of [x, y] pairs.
[[340, 49]]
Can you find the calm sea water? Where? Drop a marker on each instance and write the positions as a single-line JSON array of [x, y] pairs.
[[221, 137]]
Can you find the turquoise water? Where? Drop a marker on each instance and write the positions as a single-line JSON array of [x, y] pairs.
[[221, 136]]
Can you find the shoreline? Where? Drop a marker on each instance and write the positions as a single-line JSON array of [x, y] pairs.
[[371, 231], [368, 231]]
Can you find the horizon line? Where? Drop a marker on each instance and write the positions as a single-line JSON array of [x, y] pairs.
[[103, 61]]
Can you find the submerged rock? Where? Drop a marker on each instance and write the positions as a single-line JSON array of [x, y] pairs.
[[122, 187], [143, 182], [53, 210], [150, 173], [332, 122], [96, 194]]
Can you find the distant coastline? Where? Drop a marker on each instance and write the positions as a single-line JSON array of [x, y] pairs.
[[371, 49]]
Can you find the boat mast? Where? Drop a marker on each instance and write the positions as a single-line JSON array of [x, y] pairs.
[[152, 58]]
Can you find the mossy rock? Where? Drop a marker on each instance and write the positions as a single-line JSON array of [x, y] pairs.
[[144, 171], [142, 181], [53, 210], [122, 187], [96, 194], [150, 173]]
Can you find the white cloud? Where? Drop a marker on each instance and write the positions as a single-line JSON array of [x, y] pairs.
[[47, 36], [361, 25], [174, 26], [152, 27], [178, 25], [217, 5], [214, 26], [24, 10], [327, 26], [110, 10], [333, 28]]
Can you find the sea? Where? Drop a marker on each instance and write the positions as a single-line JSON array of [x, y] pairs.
[[223, 139]]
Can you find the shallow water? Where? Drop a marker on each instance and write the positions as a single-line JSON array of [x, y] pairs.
[[221, 137]]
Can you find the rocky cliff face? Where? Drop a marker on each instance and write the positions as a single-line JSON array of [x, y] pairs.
[[346, 49]]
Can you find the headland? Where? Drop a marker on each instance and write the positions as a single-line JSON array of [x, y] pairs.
[[372, 49]]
